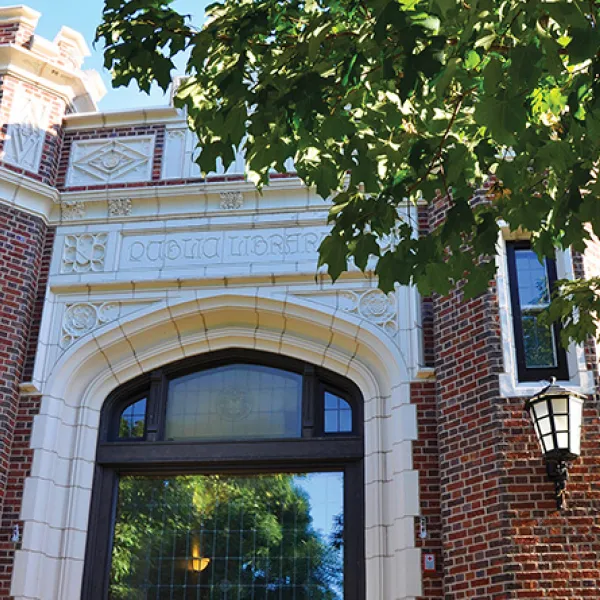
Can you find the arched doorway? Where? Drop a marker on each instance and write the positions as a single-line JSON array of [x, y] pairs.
[[234, 475]]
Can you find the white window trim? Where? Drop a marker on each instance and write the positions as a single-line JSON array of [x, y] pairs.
[[581, 380]]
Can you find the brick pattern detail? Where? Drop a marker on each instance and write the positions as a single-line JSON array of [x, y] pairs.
[[21, 242], [39, 303], [16, 33], [425, 460]]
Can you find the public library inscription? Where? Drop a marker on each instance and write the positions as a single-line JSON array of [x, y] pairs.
[[188, 248]]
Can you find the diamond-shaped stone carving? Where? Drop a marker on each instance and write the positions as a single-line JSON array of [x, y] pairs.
[[117, 160]]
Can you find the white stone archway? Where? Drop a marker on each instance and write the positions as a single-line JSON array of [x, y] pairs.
[[57, 495]]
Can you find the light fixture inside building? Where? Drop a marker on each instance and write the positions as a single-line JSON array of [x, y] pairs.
[[557, 416], [198, 562]]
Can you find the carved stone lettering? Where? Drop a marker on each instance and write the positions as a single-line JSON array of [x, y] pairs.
[[180, 250]]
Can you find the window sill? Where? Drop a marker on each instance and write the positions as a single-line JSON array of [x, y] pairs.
[[583, 383]]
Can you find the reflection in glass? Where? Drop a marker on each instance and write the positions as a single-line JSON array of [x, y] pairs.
[[534, 296], [212, 537], [538, 342], [235, 402], [533, 279], [132, 421], [338, 414]]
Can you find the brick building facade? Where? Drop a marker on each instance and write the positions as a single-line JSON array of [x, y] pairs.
[[117, 259]]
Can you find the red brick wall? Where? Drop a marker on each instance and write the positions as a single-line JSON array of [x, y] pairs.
[[21, 243], [502, 537], [551, 554], [21, 457], [425, 460], [40, 297]]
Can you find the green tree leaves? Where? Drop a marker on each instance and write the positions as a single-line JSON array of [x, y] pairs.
[[394, 102]]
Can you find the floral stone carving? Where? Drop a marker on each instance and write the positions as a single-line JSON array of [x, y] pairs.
[[84, 253], [232, 200], [72, 210], [82, 318], [119, 207]]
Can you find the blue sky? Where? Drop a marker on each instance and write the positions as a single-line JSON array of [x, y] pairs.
[[84, 16]]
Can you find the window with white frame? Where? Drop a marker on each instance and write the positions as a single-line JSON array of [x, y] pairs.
[[539, 353]]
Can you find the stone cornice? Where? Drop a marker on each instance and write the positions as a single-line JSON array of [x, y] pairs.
[[83, 88], [155, 115], [19, 14], [26, 194]]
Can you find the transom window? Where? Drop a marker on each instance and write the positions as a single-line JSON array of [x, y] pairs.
[[538, 349], [231, 476]]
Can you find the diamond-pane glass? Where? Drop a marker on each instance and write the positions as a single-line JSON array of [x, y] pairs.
[[215, 537], [133, 420], [235, 402]]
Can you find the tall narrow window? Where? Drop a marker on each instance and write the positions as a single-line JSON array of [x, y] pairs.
[[539, 353], [229, 477]]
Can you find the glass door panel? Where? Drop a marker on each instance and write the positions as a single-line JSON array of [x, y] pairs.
[[221, 537]]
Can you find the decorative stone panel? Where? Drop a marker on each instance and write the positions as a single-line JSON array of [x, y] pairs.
[[373, 305], [82, 318], [71, 210], [27, 125], [84, 253], [232, 200], [113, 160], [119, 207]]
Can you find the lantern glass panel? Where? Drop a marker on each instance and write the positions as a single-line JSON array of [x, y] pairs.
[[541, 409], [548, 443], [576, 408], [560, 406], [561, 422], [545, 427], [563, 440]]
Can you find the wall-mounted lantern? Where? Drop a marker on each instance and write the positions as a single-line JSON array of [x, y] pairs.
[[557, 416]]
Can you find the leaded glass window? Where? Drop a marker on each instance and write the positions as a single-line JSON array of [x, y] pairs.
[[539, 353], [235, 402], [205, 537]]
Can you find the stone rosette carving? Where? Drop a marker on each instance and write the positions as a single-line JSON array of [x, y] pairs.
[[119, 207], [84, 253], [83, 317], [372, 305], [375, 306], [72, 210], [232, 200]]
